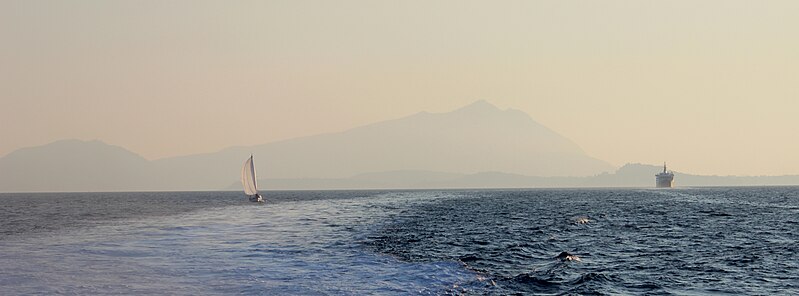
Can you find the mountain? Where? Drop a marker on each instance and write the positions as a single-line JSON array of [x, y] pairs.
[[635, 175], [478, 137], [475, 138], [73, 165], [630, 175], [477, 146]]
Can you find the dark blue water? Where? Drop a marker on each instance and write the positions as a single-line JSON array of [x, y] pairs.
[[493, 242]]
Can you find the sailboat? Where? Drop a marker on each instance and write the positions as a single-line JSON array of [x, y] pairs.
[[249, 181]]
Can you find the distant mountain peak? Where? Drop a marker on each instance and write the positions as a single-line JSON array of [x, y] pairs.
[[479, 106], [478, 137], [71, 147], [78, 142], [482, 103]]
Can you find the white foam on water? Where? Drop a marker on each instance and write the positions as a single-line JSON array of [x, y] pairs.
[[301, 248]]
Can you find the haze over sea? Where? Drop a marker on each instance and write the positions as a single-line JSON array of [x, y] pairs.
[[487, 242]]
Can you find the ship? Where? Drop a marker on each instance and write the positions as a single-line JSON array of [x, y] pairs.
[[664, 179]]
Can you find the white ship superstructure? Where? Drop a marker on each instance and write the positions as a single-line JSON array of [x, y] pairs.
[[664, 179]]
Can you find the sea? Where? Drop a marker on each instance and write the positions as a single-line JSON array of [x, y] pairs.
[[686, 241]]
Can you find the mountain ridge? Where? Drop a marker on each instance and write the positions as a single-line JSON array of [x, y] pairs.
[[68, 165], [631, 175], [474, 138]]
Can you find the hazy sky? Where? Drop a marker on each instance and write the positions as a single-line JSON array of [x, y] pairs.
[[712, 87]]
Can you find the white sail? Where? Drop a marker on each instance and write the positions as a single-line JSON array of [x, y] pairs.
[[248, 178]]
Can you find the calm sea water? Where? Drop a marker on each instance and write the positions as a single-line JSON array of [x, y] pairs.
[[492, 242]]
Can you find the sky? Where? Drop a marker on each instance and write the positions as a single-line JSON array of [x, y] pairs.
[[711, 87]]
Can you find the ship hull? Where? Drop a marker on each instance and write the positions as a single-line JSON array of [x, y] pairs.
[[664, 181]]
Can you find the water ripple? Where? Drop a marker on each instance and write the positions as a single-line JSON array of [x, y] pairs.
[[491, 242]]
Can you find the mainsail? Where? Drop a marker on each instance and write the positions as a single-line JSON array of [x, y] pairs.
[[248, 178]]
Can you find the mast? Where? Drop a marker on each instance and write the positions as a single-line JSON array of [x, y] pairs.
[[664, 167], [255, 178]]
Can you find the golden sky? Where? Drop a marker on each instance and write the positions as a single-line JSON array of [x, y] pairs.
[[712, 87]]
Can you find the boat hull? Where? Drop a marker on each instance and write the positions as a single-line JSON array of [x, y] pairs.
[[664, 181]]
